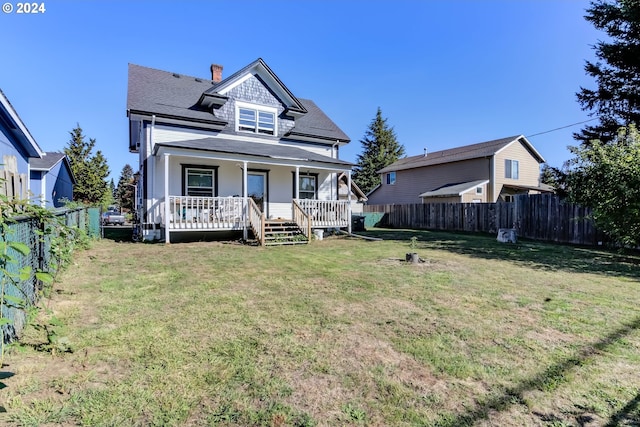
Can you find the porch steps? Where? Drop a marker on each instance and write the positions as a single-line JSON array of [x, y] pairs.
[[283, 233]]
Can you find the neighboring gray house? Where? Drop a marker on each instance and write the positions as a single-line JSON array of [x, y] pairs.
[[52, 179], [484, 172], [240, 153], [17, 146]]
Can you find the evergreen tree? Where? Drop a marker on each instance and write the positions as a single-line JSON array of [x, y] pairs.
[[125, 191], [91, 170], [112, 189], [380, 149], [616, 101], [606, 177]]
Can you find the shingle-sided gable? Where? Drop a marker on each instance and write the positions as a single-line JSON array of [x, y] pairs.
[[261, 70]]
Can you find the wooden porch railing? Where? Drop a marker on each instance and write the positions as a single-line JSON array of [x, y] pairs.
[[206, 213], [303, 220], [257, 221], [326, 213]]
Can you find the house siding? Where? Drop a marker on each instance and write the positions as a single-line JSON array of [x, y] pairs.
[[529, 168], [9, 148], [35, 180], [410, 183], [168, 134]]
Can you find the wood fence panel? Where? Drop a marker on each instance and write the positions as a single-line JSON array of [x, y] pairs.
[[540, 217]]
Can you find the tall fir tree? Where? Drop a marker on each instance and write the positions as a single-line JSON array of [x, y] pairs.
[[616, 101], [91, 170], [380, 148], [125, 191]]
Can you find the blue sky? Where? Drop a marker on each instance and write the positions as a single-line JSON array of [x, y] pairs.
[[444, 73]]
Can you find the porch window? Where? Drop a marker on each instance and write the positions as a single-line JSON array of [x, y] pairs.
[[307, 185], [256, 120], [511, 169], [199, 181]]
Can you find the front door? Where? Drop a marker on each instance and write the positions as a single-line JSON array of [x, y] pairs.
[[257, 189]]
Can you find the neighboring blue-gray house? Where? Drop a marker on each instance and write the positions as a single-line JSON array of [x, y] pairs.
[[52, 180], [17, 146]]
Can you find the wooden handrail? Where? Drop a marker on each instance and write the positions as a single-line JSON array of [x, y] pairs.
[[303, 220], [256, 220], [326, 213]]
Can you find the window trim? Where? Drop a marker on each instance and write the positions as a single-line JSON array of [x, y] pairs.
[[296, 184], [259, 125], [511, 166], [388, 180], [214, 173]]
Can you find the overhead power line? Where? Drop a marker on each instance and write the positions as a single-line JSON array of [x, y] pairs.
[[563, 127]]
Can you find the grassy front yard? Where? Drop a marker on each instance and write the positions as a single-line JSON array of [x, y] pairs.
[[339, 332]]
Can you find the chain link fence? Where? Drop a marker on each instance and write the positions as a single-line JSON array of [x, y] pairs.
[[38, 237]]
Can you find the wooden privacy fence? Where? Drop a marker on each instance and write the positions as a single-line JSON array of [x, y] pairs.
[[540, 216]]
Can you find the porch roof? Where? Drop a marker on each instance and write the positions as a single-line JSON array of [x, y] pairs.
[[454, 189], [246, 148]]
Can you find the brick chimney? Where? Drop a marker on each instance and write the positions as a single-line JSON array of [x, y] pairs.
[[216, 73]]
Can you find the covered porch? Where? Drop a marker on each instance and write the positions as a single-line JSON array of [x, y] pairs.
[[219, 191]]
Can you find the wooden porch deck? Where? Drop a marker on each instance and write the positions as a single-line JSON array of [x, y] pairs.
[[188, 213]]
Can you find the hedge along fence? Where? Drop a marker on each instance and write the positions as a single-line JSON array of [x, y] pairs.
[[541, 216], [44, 238]]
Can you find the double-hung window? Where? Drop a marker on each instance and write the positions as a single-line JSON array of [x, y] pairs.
[[308, 186], [199, 182], [391, 178], [255, 119], [511, 169]]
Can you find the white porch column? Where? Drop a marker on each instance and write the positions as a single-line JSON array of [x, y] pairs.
[[245, 231], [166, 198], [297, 183], [349, 201]]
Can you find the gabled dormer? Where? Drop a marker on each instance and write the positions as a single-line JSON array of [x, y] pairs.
[[218, 95]]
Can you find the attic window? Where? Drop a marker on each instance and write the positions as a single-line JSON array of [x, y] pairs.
[[260, 120]]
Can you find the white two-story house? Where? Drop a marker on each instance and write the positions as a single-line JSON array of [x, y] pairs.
[[241, 153]]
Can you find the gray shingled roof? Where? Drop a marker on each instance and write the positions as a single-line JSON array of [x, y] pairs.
[[273, 151], [454, 189], [474, 151], [46, 162], [167, 94], [174, 95]]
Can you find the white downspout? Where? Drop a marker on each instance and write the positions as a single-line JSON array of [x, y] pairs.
[[166, 198], [151, 175], [334, 177], [245, 195]]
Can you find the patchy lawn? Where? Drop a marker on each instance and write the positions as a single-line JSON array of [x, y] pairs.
[[339, 332]]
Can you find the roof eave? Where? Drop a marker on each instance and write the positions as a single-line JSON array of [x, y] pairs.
[[309, 136], [21, 133], [212, 100], [173, 119]]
